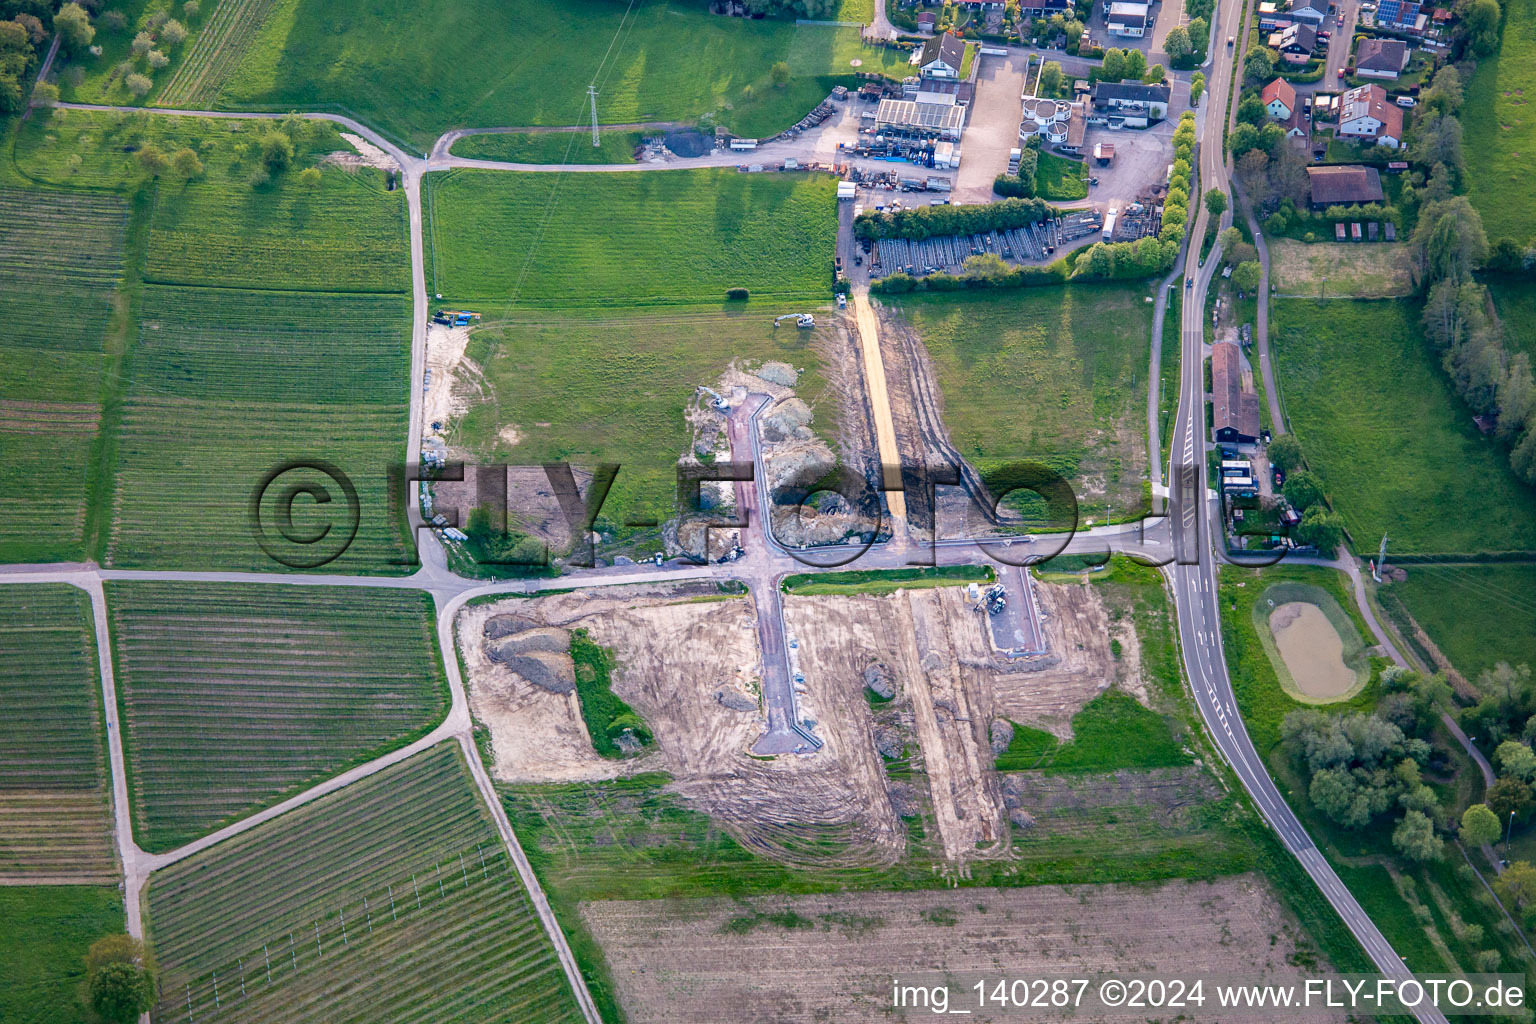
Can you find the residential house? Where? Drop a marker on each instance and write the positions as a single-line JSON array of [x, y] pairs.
[[1234, 402], [1130, 104], [1295, 43], [1310, 12], [1400, 16], [1367, 115], [1044, 8], [1346, 185], [941, 57], [1129, 20], [1381, 58], [1279, 99]]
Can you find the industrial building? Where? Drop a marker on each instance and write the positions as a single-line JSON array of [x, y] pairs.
[[912, 120]]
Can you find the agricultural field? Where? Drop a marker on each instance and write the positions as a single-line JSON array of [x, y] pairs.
[[1378, 422], [48, 929], [404, 69], [55, 814], [61, 257], [618, 147], [1500, 132], [1054, 375], [213, 53], [567, 392], [624, 239], [1340, 269], [1478, 615], [396, 891], [235, 696]]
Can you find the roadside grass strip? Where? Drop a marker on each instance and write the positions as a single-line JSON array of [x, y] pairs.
[[227, 385], [55, 818], [392, 900], [235, 696], [61, 256], [215, 53]]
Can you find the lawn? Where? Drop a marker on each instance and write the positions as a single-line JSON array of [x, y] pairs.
[[235, 696], [286, 357], [48, 930], [61, 259], [1058, 178], [1515, 301], [513, 240], [1340, 269], [1500, 132], [618, 147], [402, 69], [572, 394], [55, 815], [395, 893], [1478, 615], [1378, 422], [1051, 375]]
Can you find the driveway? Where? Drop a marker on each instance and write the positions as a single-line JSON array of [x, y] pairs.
[[993, 128]]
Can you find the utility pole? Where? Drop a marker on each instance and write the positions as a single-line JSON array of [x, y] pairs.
[[592, 92]]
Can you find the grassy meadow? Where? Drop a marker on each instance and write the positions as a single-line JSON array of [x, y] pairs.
[[55, 814], [261, 320], [235, 696], [1053, 375], [402, 68], [1378, 422], [512, 239], [48, 929], [395, 892], [1500, 132], [618, 147], [1478, 615]]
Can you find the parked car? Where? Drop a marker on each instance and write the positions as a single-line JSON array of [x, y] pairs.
[[1341, 73]]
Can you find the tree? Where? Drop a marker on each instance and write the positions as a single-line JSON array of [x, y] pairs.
[[1517, 885], [34, 27], [142, 43], [1479, 826], [1246, 276], [1515, 760], [190, 8], [173, 33], [152, 160], [309, 177], [1303, 490], [157, 59], [1478, 29], [1199, 34], [1216, 202], [1508, 796], [1155, 75], [1449, 241], [119, 978], [1444, 93], [1051, 76], [186, 165], [1415, 838], [1113, 68], [1135, 64], [139, 85], [1177, 44], [1285, 452], [74, 28], [276, 151], [1251, 110], [780, 74], [1259, 65], [1196, 88], [1321, 529]]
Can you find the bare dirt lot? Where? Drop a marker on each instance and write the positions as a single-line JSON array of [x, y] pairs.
[[832, 958]]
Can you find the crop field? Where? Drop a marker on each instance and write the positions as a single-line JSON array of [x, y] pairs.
[[626, 239], [570, 393], [404, 68], [618, 147], [1378, 422], [1501, 133], [1053, 375], [237, 696], [55, 817], [48, 929], [226, 385], [395, 892], [214, 53], [1478, 615], [61, 257]]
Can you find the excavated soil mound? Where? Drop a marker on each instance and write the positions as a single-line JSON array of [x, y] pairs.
[[689, 143]]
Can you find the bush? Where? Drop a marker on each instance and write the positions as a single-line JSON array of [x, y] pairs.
[[1014, 186], [157, 59], [736, 294]]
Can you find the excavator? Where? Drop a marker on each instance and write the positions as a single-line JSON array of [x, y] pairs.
[[800, 319]]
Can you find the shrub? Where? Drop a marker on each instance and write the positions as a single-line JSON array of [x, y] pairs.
[[157, 59], [736, 294], [173, 33]]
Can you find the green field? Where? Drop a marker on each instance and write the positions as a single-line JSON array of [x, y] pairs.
[[1052, 375], [55, 815], [1478, 615], [1058, 178], [1113, 731], [389, 902], [1515, 301], [235, 696], [61, 257], [1378, 422], [402, 69], [618, 147], [298, 352], [626, 239], [48, 930], [614, 389], [1500, 133]]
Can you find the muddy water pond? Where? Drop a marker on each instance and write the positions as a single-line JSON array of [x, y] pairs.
[[1312, 649]]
